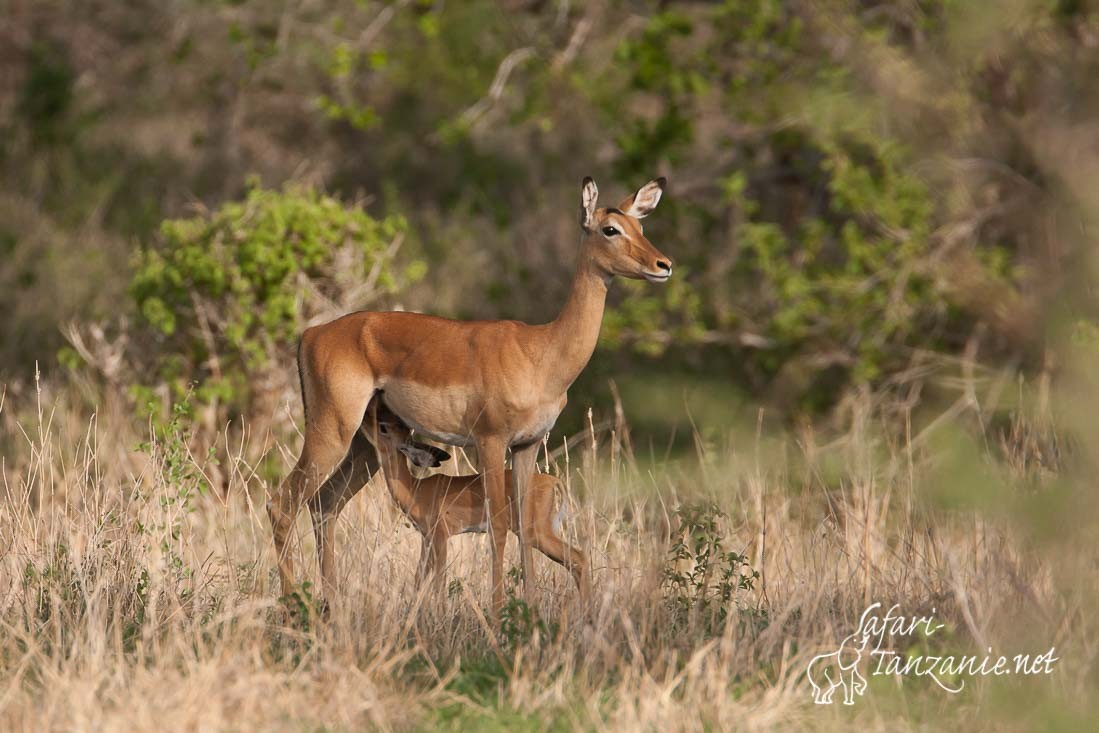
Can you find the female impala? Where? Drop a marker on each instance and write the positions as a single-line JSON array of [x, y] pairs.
[[492, 384], [441, 506]]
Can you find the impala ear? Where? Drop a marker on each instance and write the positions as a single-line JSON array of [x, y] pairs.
[[589, 194], [642, 203], [424, 456]]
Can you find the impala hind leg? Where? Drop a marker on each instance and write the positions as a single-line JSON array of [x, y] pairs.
[[328, 435], [358, 466]]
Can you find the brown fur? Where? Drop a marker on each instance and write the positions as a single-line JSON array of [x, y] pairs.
[[492, 384]]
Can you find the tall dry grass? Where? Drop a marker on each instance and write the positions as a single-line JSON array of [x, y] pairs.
[[128, 604]]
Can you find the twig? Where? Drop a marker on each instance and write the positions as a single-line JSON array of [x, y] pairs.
[[600, 427], [381, 20], [376, 270], [496, 89], [576, 40]]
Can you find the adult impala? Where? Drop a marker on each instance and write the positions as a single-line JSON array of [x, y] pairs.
[[491, 384]]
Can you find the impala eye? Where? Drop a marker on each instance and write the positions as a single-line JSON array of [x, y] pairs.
[[610, 232]]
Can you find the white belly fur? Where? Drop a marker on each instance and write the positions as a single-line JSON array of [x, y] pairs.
[[409, 400]]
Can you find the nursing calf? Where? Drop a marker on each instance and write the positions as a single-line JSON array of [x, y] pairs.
[[442, 506]]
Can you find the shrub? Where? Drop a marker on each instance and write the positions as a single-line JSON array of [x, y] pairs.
[[702, 578], [225, 294]]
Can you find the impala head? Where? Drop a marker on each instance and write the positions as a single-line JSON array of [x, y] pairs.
[[391, 434], [614, 236]]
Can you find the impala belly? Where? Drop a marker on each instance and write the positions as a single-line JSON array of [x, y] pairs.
[[437, 413], [450, 414]]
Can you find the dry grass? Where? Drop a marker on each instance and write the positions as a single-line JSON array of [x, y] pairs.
[[124, 607]]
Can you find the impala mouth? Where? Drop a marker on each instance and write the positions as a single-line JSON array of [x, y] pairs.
[[655, 277]]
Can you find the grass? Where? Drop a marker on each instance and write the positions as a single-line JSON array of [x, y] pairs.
[[133, 598]]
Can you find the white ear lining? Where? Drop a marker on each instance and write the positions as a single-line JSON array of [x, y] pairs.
[[589, 195], [645, 200]]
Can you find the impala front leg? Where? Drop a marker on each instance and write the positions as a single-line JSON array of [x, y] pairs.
[[522, 468], [491, 452], [423, 566]]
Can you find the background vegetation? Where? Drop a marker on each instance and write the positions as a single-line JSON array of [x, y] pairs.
[[857, 188], [870, 377]]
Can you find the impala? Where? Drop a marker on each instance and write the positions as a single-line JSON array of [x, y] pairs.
[[442, 506], [494, 385]]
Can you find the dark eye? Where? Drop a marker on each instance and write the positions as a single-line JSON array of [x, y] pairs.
[[611, 231], [382, 428]]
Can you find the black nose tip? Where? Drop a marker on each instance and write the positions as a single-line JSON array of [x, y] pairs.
[[664, 265]]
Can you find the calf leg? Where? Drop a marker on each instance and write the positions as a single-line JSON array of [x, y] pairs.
[[423, 566], [539, 518], [567, 557], [438, 561]]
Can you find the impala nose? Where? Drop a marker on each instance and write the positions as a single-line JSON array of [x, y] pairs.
[[664, 265]]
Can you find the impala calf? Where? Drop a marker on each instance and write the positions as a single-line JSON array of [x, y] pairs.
[[442, 506]]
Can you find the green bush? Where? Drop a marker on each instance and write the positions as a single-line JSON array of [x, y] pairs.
[[703, 581], [225, 294]]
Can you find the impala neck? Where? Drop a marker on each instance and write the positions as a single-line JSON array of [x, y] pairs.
[[398, 478], [575, 331]]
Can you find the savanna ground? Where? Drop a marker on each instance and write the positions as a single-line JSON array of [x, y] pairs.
[[134, 598]]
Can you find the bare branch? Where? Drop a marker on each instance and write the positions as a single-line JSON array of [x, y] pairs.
[[381, 20], [496, 89], [576, 40]]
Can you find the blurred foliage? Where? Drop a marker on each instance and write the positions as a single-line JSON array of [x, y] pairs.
[[818, 248], [227, 293], [856, 187]]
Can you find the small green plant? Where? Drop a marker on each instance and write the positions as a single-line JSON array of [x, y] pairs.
[[169, 446], [519, 621], [131, 632], [58, 576], [702, 578], [303, 608]]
